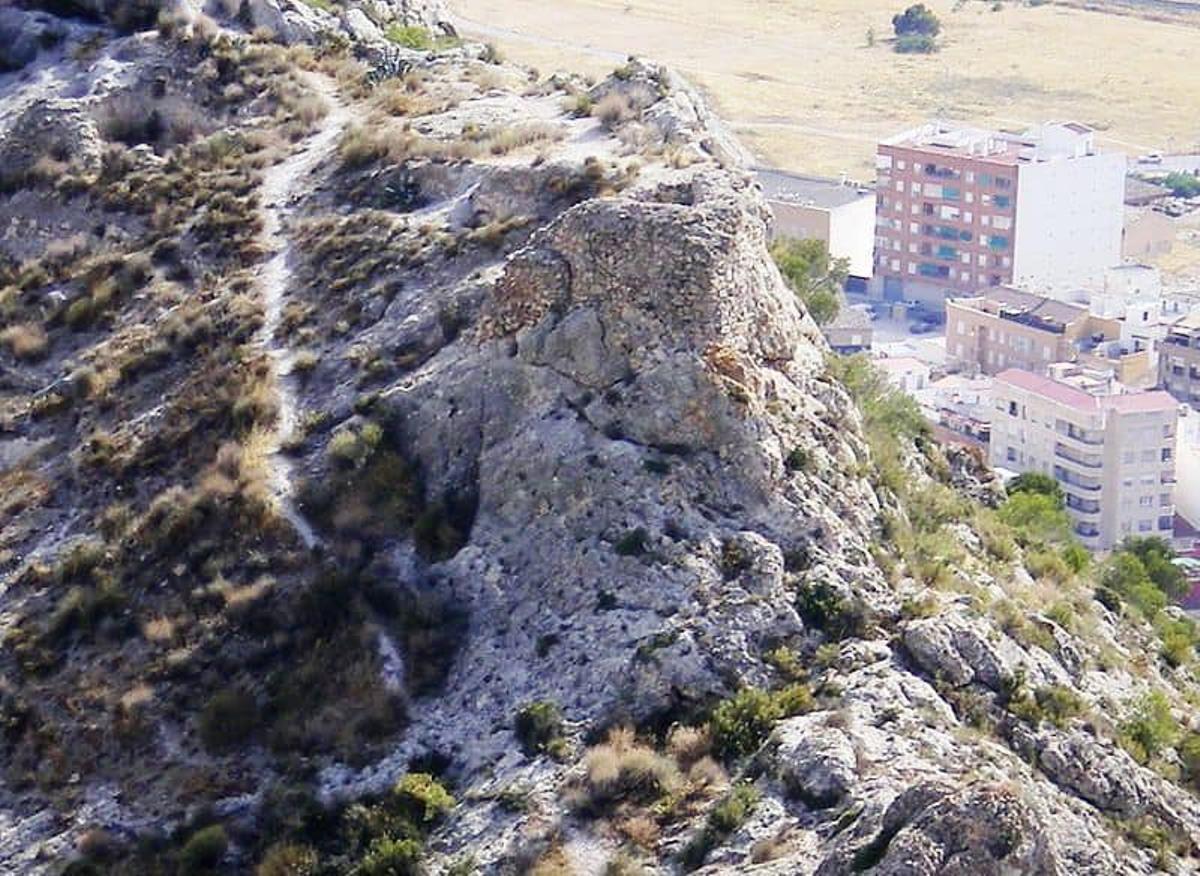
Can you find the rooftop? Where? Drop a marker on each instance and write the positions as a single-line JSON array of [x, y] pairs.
[[1140, 191], [1037, 311], [1047, 142], [1084, 401], [900, 364], [815, 191]]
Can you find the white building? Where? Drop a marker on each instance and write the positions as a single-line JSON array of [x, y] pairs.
[[1112, 451], [838, 212], [907, 373], [1187, 465], [1070, 217]]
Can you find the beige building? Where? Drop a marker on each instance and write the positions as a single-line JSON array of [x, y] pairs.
[[1006, 328], [840, 213], [1148, 233], [1112, 451], [1179, 359]]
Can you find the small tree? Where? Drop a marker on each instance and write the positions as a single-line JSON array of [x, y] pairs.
[[917, 20], [1183, 185], [1036, 482], [815, 277]]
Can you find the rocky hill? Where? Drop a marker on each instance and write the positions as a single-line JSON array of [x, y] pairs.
[[413, 463]]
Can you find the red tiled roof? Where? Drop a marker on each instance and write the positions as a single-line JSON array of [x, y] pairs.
[[1052, 389], [1065, 393]]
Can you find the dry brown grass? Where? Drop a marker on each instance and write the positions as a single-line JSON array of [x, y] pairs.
[[26, 341], [804, 90]]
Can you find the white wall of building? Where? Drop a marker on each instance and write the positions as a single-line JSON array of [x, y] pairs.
[[852, 235], [1187, 465], [1069, 221]]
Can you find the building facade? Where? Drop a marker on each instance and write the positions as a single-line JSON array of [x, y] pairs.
[[1179, 359], [1006, 328], [840, 213], [1113, 452], [962, 208]]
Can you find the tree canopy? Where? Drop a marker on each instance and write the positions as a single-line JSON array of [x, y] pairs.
[[1036, 482], [815, 277], [917, 20]]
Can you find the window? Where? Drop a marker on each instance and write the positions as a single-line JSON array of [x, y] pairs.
[[1166, 523], [998, 241], [985, 179], [950, 193], [1127, 457], [1145, 525], [1012, 409], [1164, 500], [900, 163], [1002, 201], [1166, 454], [1011, 454], [1003, 182], [1146, 501]]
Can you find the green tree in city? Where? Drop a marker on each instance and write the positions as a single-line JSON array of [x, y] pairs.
[[1183, 185], [814, 276], [1038, 483]]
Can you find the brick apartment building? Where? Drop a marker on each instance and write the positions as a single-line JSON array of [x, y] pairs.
[[1112, 451], [961, 208]]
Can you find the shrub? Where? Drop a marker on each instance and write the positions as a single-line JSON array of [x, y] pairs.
[[288, 859], [423, 798], [203, 851], [1183, 185], [915, 44], [228, 719], [724, 818], [613, 109], [25, 341], [1150, 728], [815, 277], [741, 724], [1126, 576], [633, 543], [622, 770], [1156, 556], [391, 857], [1038, 483], [1179, 640], [539, 728], [409, 37], [822, 606], [1189, 754]]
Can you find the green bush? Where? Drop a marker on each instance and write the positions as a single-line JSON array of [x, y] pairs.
[[815, 278], [915, 44], [423, 798], [723, 819], [1183, 185], [409, 37], [1179, 640], [539, 728], [740, 724], [203, 851], [1037, 483], [1150, 729], [288, 859], [391, 857], [823, 607], [1126, 577]]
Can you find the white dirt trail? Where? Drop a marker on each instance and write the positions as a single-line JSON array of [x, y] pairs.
[[281, 187]]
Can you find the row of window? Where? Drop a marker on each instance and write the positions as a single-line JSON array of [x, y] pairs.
[[884, 162], [953, 193], [944, 211]]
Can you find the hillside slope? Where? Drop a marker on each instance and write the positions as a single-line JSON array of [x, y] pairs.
[[413, 464]]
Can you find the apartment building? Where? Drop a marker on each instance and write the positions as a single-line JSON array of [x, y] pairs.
[[960, 208], [1179, 359], [839, 212], [1004, 328], [1112, 451]]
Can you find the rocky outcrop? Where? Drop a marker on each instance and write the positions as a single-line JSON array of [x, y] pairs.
[[60, 130], [363, 23], [24, 33]]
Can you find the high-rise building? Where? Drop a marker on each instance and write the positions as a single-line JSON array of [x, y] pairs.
[[960, 208], [1112, 451]]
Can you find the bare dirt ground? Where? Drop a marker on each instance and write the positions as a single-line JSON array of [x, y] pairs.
[[802, 87]]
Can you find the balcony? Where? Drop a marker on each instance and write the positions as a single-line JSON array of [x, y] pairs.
[[1087, 531], [1075, 482], [1093, 462], [1079, 436]]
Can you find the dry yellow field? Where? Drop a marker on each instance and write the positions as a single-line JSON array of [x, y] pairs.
[[802, 88]]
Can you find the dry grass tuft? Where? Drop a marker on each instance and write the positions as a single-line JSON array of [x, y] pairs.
[[25, 341]]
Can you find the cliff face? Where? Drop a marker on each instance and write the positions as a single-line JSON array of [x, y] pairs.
[[378, 412]]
